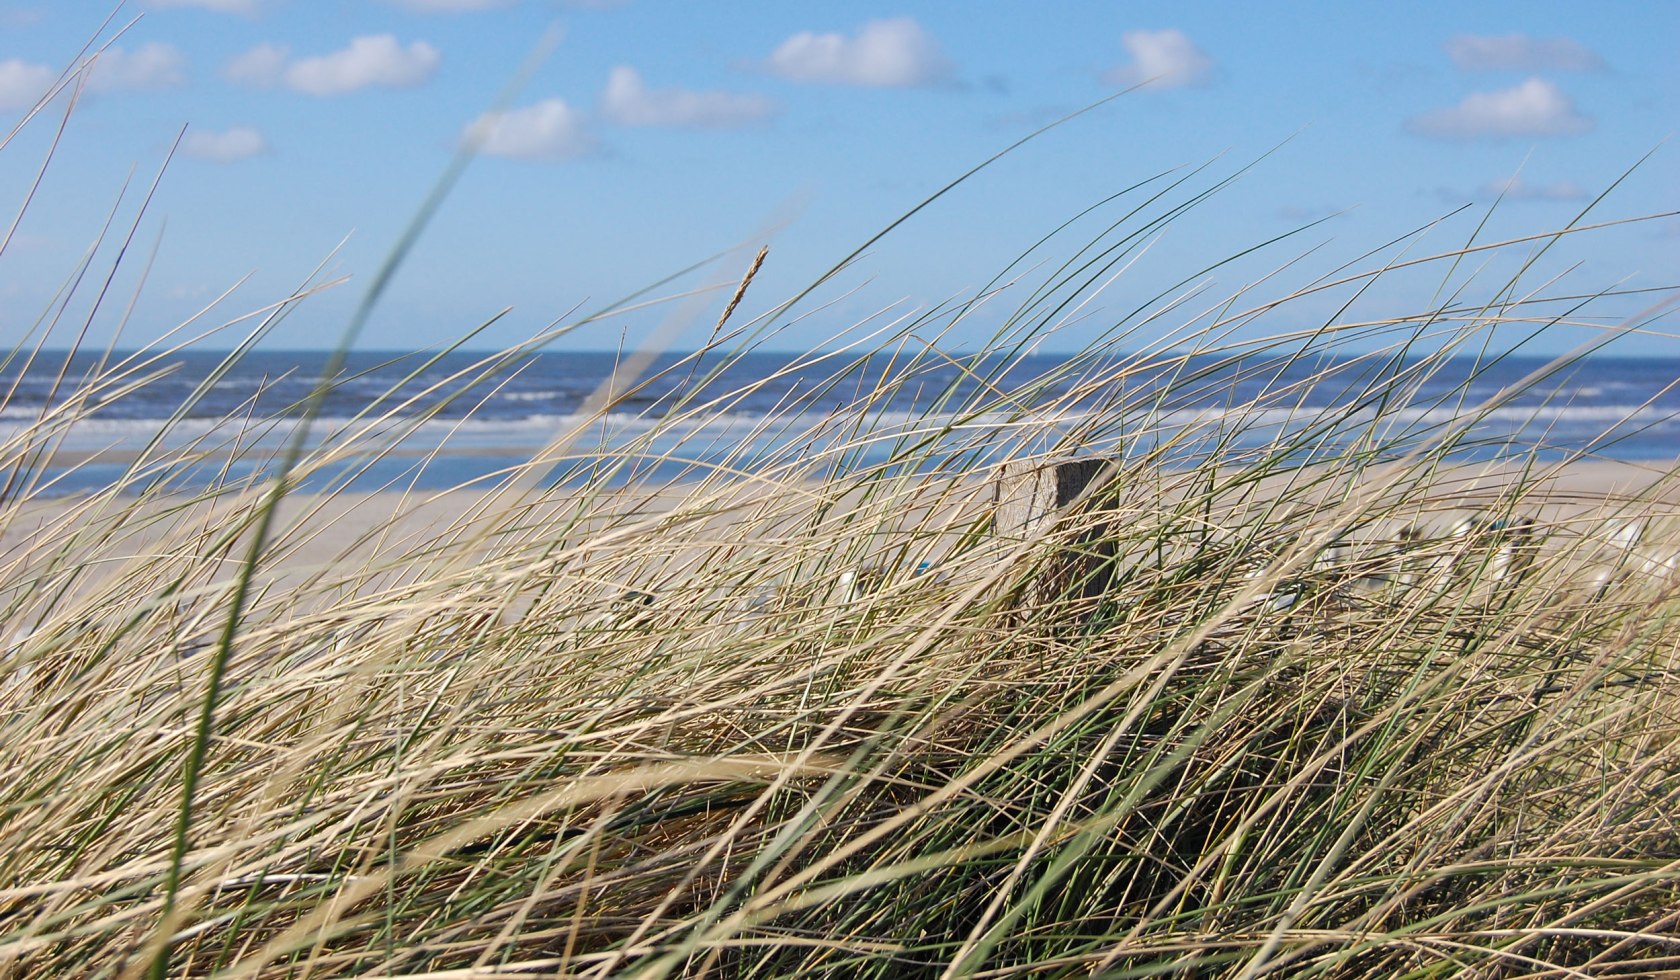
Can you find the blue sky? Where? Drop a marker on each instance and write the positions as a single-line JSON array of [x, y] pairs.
[[656, 134]]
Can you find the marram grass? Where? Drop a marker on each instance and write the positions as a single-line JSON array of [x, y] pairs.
[[719, 726], [1307, 709]]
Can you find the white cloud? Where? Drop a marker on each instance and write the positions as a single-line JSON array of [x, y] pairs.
[[238, 143], [22, 83], [152, 65], [1534, 108], [448, 6], [549, 130], [1519, 52], [885, 53], [373, 60], [1162, 59], [263, 66], [149, 66], [628, 102], [219, 6], [1515, 188]]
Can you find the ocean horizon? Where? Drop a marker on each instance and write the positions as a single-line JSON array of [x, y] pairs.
[[434, 422]]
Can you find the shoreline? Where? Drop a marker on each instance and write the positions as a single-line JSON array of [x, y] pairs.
[[316, 530]]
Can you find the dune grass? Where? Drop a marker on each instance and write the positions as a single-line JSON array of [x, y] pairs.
[[1315, 705]]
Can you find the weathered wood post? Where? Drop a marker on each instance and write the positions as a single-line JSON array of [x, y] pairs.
[[1033, 498]]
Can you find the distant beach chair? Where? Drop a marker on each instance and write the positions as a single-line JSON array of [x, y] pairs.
[[1512, 544], [1492, 553], [1625, 553]]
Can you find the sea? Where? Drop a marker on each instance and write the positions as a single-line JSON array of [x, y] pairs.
[[81, 422]]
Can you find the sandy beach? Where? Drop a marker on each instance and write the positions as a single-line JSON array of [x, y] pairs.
[[317, 543], [314, 531]]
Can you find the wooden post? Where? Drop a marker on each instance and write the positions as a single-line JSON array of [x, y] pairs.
[[1032, 494]]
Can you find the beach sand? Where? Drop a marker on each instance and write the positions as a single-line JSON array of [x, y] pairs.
[[363, 543], [314, 534]]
